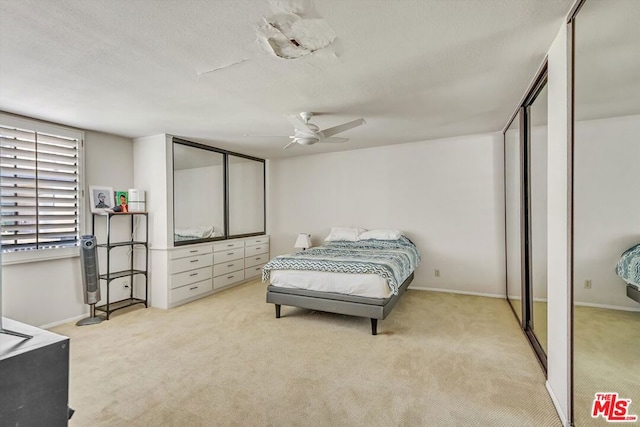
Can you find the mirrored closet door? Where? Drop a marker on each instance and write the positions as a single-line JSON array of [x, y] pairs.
[[525, 152], [246, 196], [513, 227], [606, 205], [199, 181]]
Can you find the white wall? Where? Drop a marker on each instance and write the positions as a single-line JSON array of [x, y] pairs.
[[46, 292], [558, 226], [447, 195], [606, 206]]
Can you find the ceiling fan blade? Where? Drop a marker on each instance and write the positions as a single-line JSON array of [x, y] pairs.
[[264, 136], [334, 139], [294, 142], [300, 125], [341, 128]]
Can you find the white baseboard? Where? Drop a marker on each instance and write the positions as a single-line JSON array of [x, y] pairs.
[[62, 322], [554, 399], [610, 307], [453, 291]]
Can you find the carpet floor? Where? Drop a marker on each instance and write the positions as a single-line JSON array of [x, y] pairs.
[[606, 355], [225, 360]]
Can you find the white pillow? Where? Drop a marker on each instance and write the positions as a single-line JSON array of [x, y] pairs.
[[349, 234], [381, 235]]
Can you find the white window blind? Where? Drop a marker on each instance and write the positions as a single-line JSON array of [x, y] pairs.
[[40, 199]]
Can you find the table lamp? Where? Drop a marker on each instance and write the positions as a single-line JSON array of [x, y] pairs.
[[303, 241]]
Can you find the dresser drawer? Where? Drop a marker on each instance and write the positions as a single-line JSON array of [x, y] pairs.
[[229, 244], [191, 263], [228, 279], [191, 290], [255, 271], [190, 251], [191, 276], [250, 261], [257, 249], [228, 255], [256, 241], [228, 267]]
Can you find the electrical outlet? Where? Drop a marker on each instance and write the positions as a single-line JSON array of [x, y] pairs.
[[437, 273], [587, 284]]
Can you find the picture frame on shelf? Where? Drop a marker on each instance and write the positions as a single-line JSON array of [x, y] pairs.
[[122, 200], [100, 199]]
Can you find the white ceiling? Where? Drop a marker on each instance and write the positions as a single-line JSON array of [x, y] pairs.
[[204, 70]]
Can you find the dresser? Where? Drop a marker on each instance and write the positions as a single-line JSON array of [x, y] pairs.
[[195, 271]]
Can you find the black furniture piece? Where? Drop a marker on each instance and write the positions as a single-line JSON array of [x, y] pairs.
[[34, 377], [136, 246]]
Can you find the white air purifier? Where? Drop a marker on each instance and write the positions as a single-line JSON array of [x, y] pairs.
[[137, 201]]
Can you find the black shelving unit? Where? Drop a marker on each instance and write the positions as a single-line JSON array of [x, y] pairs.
[[136, 246]]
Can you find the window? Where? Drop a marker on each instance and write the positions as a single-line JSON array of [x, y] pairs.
[[40, 183]]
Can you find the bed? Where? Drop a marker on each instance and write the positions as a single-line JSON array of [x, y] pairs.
[[358, 277], [628, 268], [194, 232]]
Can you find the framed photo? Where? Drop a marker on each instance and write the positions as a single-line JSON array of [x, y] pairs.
[[100, 198], [122, 200]]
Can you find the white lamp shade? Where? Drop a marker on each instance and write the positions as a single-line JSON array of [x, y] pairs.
[[303, 241]]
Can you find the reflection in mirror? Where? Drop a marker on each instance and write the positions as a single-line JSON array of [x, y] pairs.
[[198, 193], [246, 196], [512, 212], [537, 113], [606, 200]]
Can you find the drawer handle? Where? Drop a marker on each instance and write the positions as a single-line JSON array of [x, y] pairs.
[[230, 246], [258, 248], [195, 251], [230, 265], [231, 253], [193, 274], [258, 241], [230, 277], [193, 289], [194, 260], [258, 258]]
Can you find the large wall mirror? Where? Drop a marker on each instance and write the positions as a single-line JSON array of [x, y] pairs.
[[606, 204], [216, 194], [525, 168], [198, 193], [246, 196], [513, 227], [537, 146]]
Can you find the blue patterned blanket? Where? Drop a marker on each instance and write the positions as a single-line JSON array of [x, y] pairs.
[[629, 265], [393, 260]]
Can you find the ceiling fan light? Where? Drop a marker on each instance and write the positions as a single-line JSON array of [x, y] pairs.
[[306, 140]]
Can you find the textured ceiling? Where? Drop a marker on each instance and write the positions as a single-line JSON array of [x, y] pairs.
[[207, 71]]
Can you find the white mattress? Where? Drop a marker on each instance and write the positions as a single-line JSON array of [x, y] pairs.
[[364, 285]]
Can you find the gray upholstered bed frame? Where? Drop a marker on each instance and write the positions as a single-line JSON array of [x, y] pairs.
[[373, 308], [633, 292]]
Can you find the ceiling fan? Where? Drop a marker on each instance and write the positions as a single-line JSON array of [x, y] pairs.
[[308, 133]]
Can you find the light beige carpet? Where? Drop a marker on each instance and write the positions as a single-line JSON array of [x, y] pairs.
[[439, 360], [606, 359]]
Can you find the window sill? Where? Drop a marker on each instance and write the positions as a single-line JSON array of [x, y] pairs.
[[23, 257]]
